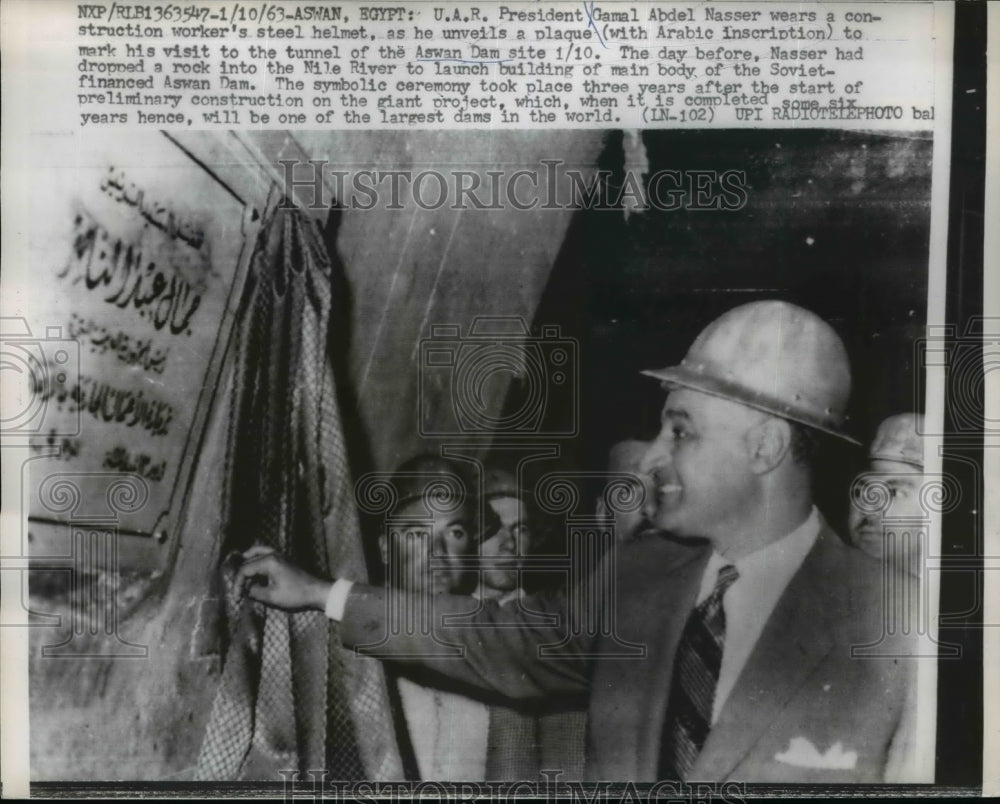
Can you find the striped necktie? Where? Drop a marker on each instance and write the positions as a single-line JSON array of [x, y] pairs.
[[696, 674]]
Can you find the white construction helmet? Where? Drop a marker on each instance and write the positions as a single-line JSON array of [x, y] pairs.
[[899, 439], [772, 356]]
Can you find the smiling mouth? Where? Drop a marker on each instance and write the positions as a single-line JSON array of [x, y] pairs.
[[665, 491], [663, 498]]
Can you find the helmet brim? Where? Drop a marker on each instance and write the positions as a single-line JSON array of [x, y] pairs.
[[685, 377], [890, 456]]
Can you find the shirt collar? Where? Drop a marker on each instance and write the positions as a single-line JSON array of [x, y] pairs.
[[776, 562]]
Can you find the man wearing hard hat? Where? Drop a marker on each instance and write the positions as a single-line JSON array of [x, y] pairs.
[[886, 519], [434, 517], [740, 633], [523, 740]]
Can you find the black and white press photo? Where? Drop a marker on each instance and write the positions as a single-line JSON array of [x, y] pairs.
[[483, 400]]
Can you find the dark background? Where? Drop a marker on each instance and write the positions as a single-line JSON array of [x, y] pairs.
[[837, 222]]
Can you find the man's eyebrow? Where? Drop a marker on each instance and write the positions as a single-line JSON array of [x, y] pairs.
[[674, 413], [904, 480]]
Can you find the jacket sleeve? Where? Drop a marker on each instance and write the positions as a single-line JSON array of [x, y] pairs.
[[519, 651]]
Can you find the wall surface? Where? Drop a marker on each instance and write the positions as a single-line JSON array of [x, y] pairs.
[[135, 717], [142, 717]]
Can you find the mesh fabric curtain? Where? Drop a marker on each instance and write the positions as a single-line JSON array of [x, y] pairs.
[[291, 698]]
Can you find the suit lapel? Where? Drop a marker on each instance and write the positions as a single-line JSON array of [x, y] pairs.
[[675, 597], [628, 697], [795, 639]]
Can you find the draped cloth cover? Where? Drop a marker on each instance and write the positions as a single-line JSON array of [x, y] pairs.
[[291, 697]]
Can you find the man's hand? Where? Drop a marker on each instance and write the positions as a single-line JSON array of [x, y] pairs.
[[269, 578]]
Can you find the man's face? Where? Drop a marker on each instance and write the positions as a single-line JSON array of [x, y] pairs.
[[626, 458], [701, 479], [869, 529], [512, 540], [408, 550]]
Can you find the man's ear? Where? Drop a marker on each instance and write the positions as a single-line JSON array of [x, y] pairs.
[[767, 443], [383, 548]]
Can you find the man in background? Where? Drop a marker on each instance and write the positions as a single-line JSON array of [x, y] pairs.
[[625, 457], [546, 734], [886, 519], [435, 518]]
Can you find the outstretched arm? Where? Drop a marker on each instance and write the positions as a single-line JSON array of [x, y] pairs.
[[493, 648]]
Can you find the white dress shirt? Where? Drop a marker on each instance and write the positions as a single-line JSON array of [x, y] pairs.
[[336, 599], [763, 576], [448, 732]]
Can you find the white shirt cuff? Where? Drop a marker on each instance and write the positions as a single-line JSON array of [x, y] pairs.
[[336, 601]]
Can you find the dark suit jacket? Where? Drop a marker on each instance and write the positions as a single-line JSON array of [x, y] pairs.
[[809, 685]]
